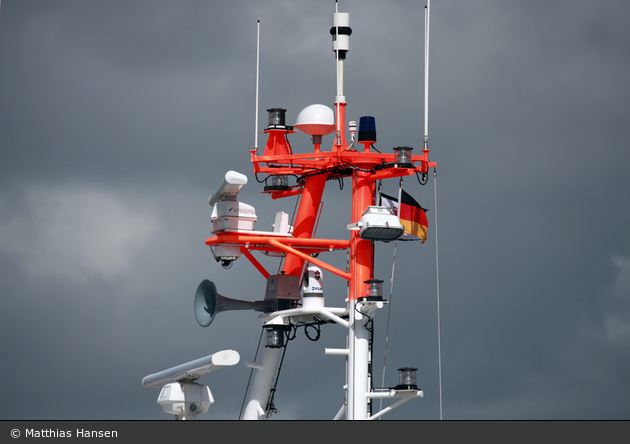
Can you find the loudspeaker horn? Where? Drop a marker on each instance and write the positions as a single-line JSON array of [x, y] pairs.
[[208, 303]]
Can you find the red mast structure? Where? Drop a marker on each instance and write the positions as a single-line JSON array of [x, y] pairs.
[[369, 222]]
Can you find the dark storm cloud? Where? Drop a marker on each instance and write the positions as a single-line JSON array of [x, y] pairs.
[[118, 117]]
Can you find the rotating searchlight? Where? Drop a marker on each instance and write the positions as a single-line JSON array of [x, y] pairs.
[[378, 224]]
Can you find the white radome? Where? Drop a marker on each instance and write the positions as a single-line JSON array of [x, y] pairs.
[[316, 120]]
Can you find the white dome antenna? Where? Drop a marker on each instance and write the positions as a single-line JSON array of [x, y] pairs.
[[316, 120]]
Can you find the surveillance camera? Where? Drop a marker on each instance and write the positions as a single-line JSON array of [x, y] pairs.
[[227, 263], [225, 254]]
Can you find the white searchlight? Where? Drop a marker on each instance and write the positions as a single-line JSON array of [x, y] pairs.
[[378, 224]]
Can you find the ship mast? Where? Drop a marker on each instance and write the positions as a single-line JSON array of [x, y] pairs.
[[295, 295]]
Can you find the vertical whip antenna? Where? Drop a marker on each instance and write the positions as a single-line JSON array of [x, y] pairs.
[[257, 82], [337, 100], [427, 10], [427, 18]]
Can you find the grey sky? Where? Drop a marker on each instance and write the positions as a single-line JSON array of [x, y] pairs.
[[118, 119]]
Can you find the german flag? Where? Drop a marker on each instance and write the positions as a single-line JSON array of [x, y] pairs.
[[412, 216]]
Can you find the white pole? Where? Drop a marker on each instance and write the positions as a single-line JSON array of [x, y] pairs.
[[338, 98], [427, 17], [257, 82], [427, 11], [358, 356], [261, 385]]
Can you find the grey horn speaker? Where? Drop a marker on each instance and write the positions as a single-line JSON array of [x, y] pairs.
[[208, 303]]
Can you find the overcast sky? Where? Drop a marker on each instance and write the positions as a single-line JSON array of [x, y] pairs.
[[119, 118]]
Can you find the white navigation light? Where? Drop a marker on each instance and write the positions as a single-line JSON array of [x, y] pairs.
[[316, 120], [378, 224]]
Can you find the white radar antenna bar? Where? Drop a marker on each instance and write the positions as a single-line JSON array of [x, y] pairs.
[[192, 370]]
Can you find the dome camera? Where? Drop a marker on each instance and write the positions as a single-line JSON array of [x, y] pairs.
[[227, 263]]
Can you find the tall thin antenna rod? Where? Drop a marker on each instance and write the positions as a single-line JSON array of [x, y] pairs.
[[427, 16], [427, 11], [437, 274], [257, 81], [338, 132]]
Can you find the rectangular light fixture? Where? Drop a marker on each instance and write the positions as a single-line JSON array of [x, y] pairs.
[[378, 224]]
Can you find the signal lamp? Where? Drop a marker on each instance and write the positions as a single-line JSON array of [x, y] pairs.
[[407, 378], [402, 156], [367, 130], [374, 290], [276, 118], [275, 336]]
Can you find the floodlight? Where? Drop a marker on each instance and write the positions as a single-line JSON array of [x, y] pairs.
[[378, 224]]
